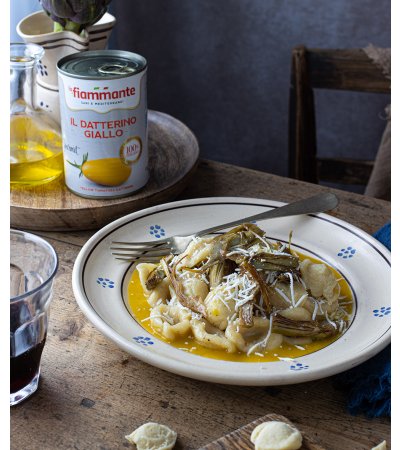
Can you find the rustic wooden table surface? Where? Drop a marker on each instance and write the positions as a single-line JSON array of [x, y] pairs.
[[91, 393]]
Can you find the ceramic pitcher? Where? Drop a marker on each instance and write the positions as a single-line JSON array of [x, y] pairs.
[[38, 29]]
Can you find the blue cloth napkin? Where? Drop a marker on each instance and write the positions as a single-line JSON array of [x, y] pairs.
[[370, 382]]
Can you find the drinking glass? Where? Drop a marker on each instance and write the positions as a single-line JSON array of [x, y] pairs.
[[33, 265]]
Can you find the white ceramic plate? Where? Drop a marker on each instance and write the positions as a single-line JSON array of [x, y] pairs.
[[100, 286]]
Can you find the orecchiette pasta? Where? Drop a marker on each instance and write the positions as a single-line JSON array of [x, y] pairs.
[[320, 280], [153, 436], [297, 313], [223, 302], [220, 307], [276, 436], [210, 336], [194, 285], [284, 295], [318, 307], [246, 338], [240, 293], [144, 270], [160, 292], [170, 321], [196, 252]]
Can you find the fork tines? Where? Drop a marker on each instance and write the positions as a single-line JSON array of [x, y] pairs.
[[140, 243], [144, 249], [140, 259], [133, 253], [151, 255]]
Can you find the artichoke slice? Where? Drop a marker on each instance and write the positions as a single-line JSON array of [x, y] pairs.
[[246, 315], [238, 236], [157, 275], [195, 304], [252, 271], [313, 329], [219, 271]]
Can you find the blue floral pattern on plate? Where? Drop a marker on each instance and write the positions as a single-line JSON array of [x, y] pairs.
[[157, 231], [382, 312], [298, 366], [347, 252], [143, 340], [105, 282]]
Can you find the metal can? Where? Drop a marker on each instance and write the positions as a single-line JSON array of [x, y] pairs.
[[103, 105]]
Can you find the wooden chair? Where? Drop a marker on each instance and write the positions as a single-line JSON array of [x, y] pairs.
[[350, 70]]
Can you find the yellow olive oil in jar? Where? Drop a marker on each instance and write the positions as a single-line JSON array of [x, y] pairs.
[[36, 155]]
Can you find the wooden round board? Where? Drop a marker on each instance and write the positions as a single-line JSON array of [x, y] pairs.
[[173, 158]]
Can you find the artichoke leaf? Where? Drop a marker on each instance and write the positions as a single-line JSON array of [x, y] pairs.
[[246, 315], [296, 328], [157, 275], [195, 304]]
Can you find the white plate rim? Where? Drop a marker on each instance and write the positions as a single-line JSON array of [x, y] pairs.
[[217, 375]]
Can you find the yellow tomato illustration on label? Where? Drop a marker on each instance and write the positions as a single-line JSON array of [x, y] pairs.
[[106, 171]]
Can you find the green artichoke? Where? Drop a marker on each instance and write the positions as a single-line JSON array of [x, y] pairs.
[[74, 15]]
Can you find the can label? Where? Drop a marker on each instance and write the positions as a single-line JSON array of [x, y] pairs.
[[104, 128]]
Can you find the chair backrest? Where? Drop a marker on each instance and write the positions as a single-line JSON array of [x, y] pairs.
[[349, 69]]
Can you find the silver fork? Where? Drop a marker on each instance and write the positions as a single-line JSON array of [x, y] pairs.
[[178, 244]]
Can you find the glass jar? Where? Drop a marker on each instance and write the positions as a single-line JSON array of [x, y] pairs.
[[36, 155]]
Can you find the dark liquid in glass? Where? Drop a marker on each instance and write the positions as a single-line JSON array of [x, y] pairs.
[[24, 367]]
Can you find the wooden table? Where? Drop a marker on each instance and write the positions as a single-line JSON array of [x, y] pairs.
[[91, 393]]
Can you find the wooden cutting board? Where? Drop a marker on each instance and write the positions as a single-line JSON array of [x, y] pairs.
[[240, 439], [173, 158]]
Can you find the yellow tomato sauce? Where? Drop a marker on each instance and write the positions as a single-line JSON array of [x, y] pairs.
[[141, 310]]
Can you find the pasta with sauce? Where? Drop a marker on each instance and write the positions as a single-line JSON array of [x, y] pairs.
[[241, 293]]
